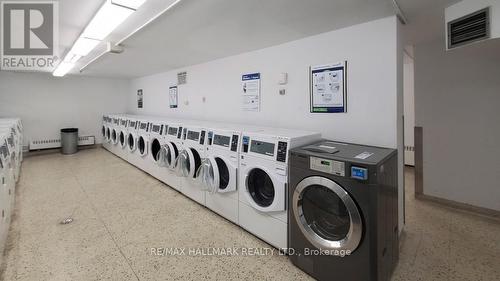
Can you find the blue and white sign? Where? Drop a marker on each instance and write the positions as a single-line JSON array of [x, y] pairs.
[[250, 90], [328, 88]]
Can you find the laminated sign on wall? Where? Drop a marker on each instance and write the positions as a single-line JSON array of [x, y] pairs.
[[328, 88], [250, 90], [139, 99], [172, 96]]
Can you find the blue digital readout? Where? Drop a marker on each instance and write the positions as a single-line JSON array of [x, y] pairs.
[[359, 173]]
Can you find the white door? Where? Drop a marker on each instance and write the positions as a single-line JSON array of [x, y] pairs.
[[409, 110], [217, 174]]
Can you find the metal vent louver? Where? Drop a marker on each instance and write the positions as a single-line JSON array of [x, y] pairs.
[[468, 29]]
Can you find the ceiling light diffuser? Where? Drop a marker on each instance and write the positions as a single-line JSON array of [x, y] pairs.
[[106, 20], [133, 4], [84, 45], [63, 68]]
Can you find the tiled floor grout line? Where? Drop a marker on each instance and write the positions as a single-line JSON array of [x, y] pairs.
[[107, 229]]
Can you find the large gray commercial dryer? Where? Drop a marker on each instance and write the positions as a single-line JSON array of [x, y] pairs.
[[343, 211]]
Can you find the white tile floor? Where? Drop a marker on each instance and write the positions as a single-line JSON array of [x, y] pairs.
[[120, 213]]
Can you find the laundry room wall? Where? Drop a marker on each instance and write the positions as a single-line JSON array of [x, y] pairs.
[[46, 104], [374, 112], [457, 105]]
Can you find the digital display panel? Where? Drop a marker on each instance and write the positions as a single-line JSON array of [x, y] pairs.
[[156, 128], [131, 124], [261, 147], [172, 131], [222, 140], [192, 135], [144, 126]]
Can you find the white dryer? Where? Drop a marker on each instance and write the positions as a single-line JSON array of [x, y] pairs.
[[189, 161], [219, 171], [263, 181], [7, 188], [17, 127], [113, 133], [169, 153]]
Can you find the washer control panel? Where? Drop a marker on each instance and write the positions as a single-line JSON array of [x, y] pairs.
[[282, 149], [327, 166], [234, 143]]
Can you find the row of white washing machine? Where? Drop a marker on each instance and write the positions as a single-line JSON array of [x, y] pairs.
[[11, 156], [238, 171]]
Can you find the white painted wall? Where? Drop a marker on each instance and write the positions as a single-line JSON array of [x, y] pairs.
[[375, 103], [46, 104], [457, 101], [409, 108]]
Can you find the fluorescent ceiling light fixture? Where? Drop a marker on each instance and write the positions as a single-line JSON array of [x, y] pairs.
[[70, 57], [106, 20], [83, 46], [133, 4], [63, 68]]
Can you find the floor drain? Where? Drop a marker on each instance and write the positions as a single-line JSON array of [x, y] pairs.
[[67, 221]]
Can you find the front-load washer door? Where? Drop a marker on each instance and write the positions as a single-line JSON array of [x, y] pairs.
[[121, 138], [155, 148], [168, 155], [131, 142], [108, 135], [103, 131], [264, 191], [217, 174], [327, 215], [189, 161], [142, 145], [114, 136]]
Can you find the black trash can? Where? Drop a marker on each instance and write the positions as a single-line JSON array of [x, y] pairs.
[[69, 140]]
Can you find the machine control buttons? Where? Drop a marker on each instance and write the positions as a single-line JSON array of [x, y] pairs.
[[359, 173], [202, 137], [179, 133], [234, 143], [246, 142], [282, 149], [327, 166]]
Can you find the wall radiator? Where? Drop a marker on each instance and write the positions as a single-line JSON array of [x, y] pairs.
[[56, 143]]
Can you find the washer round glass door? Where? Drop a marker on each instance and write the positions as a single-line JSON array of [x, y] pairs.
[[327, 215], [114, 137], [142, 144], [168, 155], [260, 187], [122, 139], [132, 144], [155, 150]]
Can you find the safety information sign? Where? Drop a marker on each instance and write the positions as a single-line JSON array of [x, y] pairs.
[[328, 88], [172, 96], [250, 90]]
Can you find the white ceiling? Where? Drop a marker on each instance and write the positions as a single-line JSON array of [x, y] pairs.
[[197, 31]]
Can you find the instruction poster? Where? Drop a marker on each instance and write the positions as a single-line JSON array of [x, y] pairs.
[[250, 90], [328, 88], [140, 99], [172, 96]]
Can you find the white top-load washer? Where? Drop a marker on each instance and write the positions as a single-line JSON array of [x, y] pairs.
[[219, 170], [189, 160], [263, 181], [169, 153]]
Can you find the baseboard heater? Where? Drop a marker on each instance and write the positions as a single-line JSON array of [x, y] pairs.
[[56, 143]]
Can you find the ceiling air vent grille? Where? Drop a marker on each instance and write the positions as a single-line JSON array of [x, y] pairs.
[[470, 28]]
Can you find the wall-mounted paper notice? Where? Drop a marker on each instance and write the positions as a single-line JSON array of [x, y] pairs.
[[250, 90], [172, 96], [140, 99], [328, 88]]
